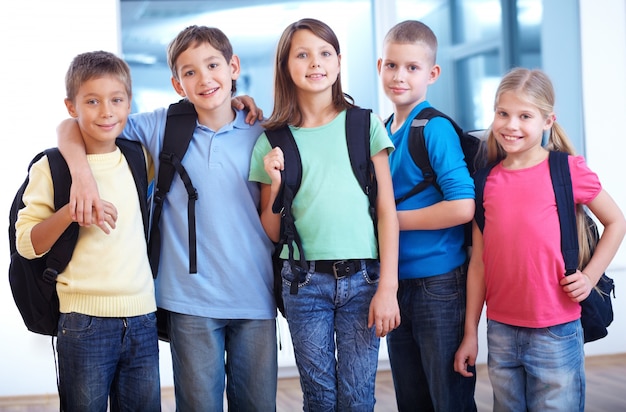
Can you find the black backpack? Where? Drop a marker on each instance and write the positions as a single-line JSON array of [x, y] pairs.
[[472, 144], [33, 282], [358, 141], [597, 308]]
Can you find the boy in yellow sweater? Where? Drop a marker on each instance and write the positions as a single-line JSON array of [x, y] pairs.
[[107, 340]]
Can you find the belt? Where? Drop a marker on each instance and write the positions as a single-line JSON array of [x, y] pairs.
[[338, 268]]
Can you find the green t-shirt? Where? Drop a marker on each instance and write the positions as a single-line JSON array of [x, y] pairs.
[[330, 208]]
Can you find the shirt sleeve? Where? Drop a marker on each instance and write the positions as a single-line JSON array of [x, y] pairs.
[[585, 183], [257, 169]]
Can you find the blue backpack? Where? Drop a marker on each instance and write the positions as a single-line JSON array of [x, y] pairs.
[[597, 308]]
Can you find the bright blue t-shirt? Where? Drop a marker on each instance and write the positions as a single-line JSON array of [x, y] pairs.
[[425, 253]]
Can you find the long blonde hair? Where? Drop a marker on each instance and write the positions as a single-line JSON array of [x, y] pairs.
[[537, 89]]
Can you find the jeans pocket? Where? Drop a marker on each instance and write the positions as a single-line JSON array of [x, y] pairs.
[[149, 319], [76, 324], [289, 276], [372, 272], [441, 288], [563, 331]]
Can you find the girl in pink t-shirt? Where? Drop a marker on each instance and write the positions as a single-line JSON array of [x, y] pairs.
[[534, 335]]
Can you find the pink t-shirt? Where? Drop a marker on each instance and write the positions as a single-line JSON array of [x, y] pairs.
[[522, 249]]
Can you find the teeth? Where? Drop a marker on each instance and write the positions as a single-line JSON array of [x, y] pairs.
[[510, 138]]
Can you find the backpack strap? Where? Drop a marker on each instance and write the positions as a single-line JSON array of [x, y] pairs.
[[179, 128], [562, 184], [61, 252], [480, 178], [358, 141], [419, 152], [133, 152], [291, 177]]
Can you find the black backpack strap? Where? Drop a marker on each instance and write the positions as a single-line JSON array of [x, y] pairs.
[[358, 141], [61, 252], [562, 183], [179, 128], [480, 178], [136, 159], [419, 152], [291, 177]]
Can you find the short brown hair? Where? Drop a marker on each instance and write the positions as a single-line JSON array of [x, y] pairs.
[[90, 65], [193, 36], [413, 31]]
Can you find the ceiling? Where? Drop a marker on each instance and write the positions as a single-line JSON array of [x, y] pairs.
[[253, 27]]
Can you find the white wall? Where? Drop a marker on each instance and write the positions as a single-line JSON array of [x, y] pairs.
[[38, 39]]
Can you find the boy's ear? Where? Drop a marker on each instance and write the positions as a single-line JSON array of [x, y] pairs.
[[70, 108], [379, 64], [235, 66], [178, 87], [435, 71]]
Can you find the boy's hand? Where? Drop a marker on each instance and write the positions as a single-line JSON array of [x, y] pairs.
[[85, 205], [110, 217], [246, 102]]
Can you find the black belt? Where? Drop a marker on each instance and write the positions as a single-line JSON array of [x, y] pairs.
[[338, 268]]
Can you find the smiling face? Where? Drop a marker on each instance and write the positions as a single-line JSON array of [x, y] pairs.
[[101, 107], [518, 125], [313, 63], [406, 70], [206, 78]]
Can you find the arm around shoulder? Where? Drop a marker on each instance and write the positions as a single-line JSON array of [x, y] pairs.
[[84, 197]]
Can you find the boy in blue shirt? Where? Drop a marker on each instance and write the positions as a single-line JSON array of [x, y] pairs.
[[222, 323], [432, 257]]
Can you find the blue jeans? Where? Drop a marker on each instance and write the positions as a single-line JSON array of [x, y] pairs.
[[329, 316], [209, 355], [422, 348], [108, 357], [536, 369]]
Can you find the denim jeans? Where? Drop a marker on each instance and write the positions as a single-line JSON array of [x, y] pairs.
[[209, 355], [536, 369], [422, 348], [329, 316], [108, 357]]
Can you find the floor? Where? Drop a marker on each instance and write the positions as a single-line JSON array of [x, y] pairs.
[[606, 389]]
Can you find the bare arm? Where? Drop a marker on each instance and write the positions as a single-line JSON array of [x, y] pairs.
[[441, 215], [468, 350], [274, 162], [384, 312], [44, 234], [579, 285], [85, 203]]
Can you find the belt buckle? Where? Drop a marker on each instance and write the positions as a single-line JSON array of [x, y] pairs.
[[340, 269]]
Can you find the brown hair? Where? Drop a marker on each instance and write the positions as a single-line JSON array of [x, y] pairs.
[[411, 32], [194, 36], [96, 64], [286, 110], [536, 87]]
